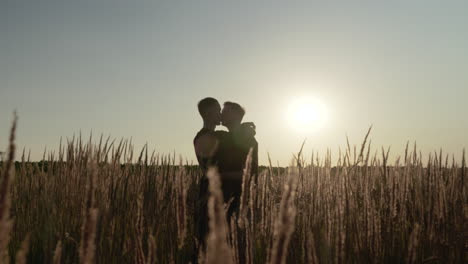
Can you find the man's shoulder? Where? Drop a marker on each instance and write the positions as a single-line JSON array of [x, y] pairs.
[[248, 129], [205, 134], [205, 143], [202, 132]]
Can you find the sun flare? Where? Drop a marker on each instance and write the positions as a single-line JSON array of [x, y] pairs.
[[306, 114]]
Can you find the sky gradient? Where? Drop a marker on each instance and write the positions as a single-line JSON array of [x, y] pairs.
[[138, 68]]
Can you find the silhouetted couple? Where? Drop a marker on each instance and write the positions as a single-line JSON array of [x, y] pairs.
[[227, 151]]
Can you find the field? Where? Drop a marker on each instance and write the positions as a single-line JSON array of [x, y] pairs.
[[96, 203]]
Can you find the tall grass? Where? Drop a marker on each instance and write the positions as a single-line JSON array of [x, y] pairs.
[[93, 202]]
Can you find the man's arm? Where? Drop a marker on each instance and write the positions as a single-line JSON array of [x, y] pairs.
[[248, 129]]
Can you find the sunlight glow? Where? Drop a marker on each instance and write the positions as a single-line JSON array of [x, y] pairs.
[[306, 114]]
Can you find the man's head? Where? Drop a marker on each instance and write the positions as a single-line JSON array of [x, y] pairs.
[[210, 111], [232, 114]]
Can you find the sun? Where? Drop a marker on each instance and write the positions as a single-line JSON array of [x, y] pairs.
[[306, 114]]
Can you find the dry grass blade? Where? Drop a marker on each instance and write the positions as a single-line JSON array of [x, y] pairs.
[[88, 245], [244, 198], [413, 245], [6, 222], [151, 250], [88, 233], [363, 146], [285, 222], [218, 249], [299, 162], [57, 253], [463, 166], [23, 252], [181, 207], [311, 249]]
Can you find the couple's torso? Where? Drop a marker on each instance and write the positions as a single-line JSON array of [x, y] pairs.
[[230, 155], [231, 149]]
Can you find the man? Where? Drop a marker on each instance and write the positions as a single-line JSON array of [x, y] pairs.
[[206, 144], [232, 156], [207, 139], [233, 151]]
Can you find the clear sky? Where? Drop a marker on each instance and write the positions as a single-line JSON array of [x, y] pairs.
[[138, 68]]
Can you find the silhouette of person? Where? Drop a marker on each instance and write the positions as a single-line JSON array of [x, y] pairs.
[[226, 150], [232, 153], [206, 140], [206, 143]]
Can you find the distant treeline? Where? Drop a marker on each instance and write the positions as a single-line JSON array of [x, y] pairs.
[[45, 165]]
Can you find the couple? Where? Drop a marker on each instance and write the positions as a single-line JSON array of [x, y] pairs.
[[226, 150]]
